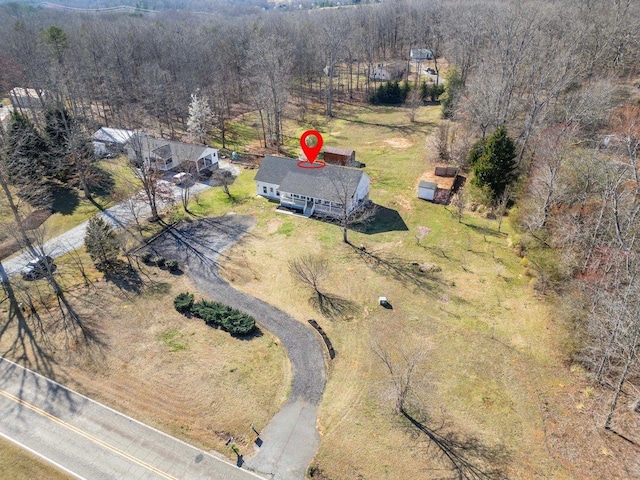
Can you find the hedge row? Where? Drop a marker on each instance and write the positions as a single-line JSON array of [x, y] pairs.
[[216, 314]]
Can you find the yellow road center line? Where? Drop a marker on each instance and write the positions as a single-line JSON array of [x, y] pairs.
[[86, 435]]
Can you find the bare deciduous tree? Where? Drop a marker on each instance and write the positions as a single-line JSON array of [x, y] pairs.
[[311, 270], [400, 362]]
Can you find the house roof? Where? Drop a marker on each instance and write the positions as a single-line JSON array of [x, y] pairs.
[[428, 185], [112, 135], [338, 151], [165, 149], [328, 183], [421, 53]]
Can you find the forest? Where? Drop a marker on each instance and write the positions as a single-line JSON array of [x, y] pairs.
[[559, 77]]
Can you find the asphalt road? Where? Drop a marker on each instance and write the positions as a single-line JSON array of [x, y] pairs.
[[91, 441], [291, 440]]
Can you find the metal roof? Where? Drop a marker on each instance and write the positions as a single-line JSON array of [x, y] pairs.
[[338, 151], [112, 135]]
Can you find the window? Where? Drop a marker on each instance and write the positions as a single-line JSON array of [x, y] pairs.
[[264, 189], [278, 193], [271, 189]]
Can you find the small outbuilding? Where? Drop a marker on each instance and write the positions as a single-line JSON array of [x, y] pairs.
[[339, 156], [427, 190]]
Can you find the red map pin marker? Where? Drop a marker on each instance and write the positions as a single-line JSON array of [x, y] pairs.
[[311, 152]]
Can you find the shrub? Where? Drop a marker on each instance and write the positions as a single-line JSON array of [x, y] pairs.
[[184, 302], [146, 257], [238, 323], [172, 265], [219, 315], [159, 261], [210, 312]]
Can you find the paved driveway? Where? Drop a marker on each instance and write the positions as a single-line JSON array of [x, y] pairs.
[[291, 438]]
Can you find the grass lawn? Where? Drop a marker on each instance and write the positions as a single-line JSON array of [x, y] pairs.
[[17, 464], [71, 208], [493, 372], [148, 361], [493, 367]]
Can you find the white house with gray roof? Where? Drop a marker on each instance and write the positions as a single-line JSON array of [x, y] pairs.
[[325, 191], [169, 155]]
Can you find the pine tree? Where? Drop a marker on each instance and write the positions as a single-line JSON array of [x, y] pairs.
[[101, 243], [26, 162], [199, 117], [495, 167]]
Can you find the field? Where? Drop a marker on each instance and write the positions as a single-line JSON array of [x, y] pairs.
[[494, 373], [17, 464], [146, 360], [493, 382]]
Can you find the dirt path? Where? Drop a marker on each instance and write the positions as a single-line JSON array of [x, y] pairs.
[[291, 438]]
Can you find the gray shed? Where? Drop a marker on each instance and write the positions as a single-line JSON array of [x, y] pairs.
[[427, 190]]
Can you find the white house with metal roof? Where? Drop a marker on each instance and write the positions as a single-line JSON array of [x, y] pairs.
[[331, 190]]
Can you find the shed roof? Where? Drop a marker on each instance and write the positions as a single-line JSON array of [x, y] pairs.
[[165, 149], [328, 183], [428, 185], [338, 151]]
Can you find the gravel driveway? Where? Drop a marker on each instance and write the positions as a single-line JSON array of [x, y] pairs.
[[291, 439]]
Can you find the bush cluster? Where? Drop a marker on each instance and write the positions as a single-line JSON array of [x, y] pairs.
[[159, 261], [216, 314]]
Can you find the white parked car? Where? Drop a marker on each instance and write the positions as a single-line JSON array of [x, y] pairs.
[[182, 177]]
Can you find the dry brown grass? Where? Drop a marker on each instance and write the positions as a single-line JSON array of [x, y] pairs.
[[176, 374], [17, 464], [495, 367]]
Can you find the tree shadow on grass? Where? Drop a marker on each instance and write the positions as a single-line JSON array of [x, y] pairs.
[[102, 182], [125, 277], [255, 333], [467, 457], [332, 306], [397, 268], [485, 231], [65, 200], [29, 346], [384, 220], [407, 129]]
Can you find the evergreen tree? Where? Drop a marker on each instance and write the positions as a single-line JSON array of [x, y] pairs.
[[452, 90], [101, 243], [71, 151], [495, 167], [26, 159], [57, 127]]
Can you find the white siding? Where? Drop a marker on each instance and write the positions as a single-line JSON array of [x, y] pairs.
[[362, 192], [426, 193], [268, 190]]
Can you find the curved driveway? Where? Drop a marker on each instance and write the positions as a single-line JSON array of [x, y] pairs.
[[291, 438]]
